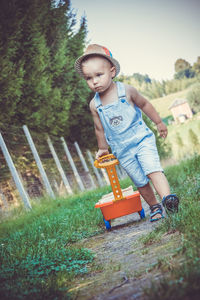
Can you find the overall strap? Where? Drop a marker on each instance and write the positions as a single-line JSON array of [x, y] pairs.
[[121, 90], [97, 100]]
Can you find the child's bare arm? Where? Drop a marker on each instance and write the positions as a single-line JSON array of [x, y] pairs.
[[99, 131], [148, 109]]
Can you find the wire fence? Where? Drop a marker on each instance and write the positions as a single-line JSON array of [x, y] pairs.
[[34, 165]]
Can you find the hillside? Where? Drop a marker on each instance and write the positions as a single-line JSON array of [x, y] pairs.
[[182, 130], [162, 104]]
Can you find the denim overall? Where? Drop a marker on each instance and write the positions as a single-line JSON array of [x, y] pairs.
[[130, 140]]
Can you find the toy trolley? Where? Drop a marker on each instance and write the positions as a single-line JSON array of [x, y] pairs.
[[120, 202]]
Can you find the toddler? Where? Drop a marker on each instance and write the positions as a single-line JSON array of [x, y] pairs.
[[116, 110]]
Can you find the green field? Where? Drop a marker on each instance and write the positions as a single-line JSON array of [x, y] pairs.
[[187, 149], [162, 104]]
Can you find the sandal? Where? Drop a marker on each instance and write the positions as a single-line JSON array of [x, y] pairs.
[[156, 209], [171, 203]]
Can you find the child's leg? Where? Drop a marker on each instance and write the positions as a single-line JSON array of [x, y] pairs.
[[149, 196], [160, 183]]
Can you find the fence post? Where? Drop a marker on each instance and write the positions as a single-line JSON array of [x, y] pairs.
[[105, 175], [38, 162], [96, 171], [58, 164], [15, 175], [78, 178], [84, 164]]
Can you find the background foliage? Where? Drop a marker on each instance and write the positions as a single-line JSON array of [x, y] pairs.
[[39, 86]]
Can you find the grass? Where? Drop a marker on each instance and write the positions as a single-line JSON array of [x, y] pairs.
[[37, 251], [182, 130], [39, 256], [183, 281], [162, 104]]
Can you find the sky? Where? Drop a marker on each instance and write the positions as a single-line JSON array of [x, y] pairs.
[[145, 36]]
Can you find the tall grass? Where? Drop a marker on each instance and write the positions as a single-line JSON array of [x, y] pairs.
[[183, 282], [37, 252]]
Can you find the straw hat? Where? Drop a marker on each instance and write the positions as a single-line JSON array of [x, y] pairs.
[[93, 50]]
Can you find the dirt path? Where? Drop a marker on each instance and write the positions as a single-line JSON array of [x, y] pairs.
[[123, 266]]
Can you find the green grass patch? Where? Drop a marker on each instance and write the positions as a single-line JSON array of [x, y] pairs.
[[183, 148], [182, 282], [38, 252], [152, 237]]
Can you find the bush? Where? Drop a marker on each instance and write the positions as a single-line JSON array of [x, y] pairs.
[[193, 97]]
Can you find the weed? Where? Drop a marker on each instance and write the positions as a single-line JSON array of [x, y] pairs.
[[144, 251], [152, 237]]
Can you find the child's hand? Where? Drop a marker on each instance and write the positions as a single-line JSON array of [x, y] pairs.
[[101, 152], [162, 129]]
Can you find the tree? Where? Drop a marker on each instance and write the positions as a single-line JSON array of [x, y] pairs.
[[39, 85], [11, 62], [196, 66], [181, 64], [188, 73], [141, 78], [35, 103], [193, 97]]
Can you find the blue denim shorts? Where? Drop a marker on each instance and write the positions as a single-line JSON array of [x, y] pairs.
[[141, 160]]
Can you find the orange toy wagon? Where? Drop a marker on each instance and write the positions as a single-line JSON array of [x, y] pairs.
[[120, 202]]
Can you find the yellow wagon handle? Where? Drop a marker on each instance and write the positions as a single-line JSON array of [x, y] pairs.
[[106, 161]]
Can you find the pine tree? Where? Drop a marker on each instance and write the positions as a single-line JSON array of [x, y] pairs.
[[11, 62], [39, 86]]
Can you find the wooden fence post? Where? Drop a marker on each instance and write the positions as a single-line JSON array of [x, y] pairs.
[[84, 164], [15, 175], [77, 176], [38, 162], [96, 171], [105, 175], [59, 167]]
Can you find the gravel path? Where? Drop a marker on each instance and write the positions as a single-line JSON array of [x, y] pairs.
[[123, 266]]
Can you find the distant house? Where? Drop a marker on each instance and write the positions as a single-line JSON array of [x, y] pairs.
[[181, 110]]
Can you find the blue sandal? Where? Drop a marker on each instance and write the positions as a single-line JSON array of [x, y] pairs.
[[156, 209], [171, 203]]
